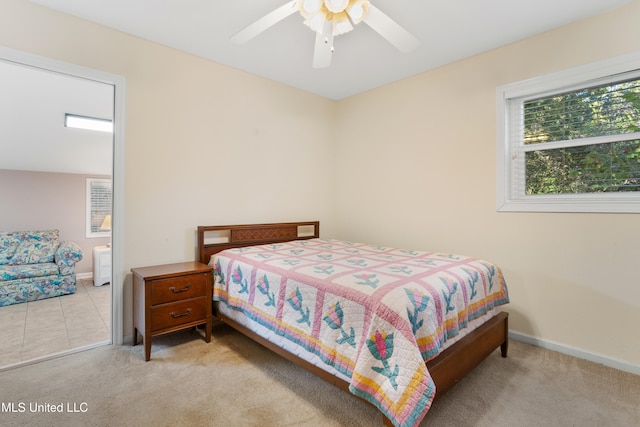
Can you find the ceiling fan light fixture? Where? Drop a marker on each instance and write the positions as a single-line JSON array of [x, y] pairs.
[[308, 8], [316, 22], [329, 18], [341, 24], [342, 14], [357, 10], [336, 6]]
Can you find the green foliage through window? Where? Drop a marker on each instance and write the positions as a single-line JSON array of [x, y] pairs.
[[583, 141]]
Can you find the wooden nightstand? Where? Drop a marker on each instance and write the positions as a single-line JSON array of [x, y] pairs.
[[171, 297]]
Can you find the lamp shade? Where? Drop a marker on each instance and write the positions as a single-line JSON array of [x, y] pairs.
[[106, 223]]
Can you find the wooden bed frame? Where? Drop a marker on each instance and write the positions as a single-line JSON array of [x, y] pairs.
[[449, 367]]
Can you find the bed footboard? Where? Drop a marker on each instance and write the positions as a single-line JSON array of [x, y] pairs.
[[454, 363]]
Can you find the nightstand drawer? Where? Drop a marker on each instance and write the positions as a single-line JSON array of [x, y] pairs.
[[179, 313], [178, 288]]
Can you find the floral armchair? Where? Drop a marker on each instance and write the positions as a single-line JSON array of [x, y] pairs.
[[36, 265]]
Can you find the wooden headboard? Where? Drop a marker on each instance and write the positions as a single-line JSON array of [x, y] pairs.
[[215, 238]]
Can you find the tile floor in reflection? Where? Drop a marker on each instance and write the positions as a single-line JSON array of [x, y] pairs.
[[41, 328]]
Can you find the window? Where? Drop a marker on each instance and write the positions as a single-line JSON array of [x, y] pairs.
[[98, 207], [570, 141]]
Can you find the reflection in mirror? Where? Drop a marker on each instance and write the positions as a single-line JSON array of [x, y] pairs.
[[44, 169]]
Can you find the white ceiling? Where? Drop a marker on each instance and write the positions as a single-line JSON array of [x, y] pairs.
[[33, 103], [449, 30]]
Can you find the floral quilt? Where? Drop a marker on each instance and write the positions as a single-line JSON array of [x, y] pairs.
[[373, 314]]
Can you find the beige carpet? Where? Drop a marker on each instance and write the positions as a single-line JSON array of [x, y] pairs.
[[235, 382]]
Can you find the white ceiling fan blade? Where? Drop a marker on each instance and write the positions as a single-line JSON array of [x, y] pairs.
[[265, 22], [323, 47], [390, 30]]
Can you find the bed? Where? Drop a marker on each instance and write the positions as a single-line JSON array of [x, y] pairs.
[[397, 328]]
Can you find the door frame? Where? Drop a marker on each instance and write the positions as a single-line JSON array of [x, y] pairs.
[[118, 169]]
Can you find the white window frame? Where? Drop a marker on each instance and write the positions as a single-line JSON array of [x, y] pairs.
[[510, 189], [90, 205]]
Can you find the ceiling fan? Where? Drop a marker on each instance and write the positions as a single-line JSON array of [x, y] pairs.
[[330, 18]]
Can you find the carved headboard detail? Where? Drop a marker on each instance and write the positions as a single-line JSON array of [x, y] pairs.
[[215, 238]]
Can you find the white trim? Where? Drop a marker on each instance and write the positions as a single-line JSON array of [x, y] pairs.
[[118, 213], [611, 362], [117, 232], [128, 339]]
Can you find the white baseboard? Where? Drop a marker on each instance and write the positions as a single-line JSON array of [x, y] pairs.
[[88, 275], [128, 340], [576, 352]]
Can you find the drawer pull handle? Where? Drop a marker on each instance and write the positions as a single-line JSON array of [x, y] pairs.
[[177, 291], [175, 316]]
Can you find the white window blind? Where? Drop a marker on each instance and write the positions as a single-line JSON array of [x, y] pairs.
[[571, 142], [99, 200]]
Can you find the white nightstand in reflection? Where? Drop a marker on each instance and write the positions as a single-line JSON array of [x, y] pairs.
[[101, 265]]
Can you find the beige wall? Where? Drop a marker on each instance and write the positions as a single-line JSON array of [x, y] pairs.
[[205, 144], [43, 200], [411, 164], [417, 168]]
